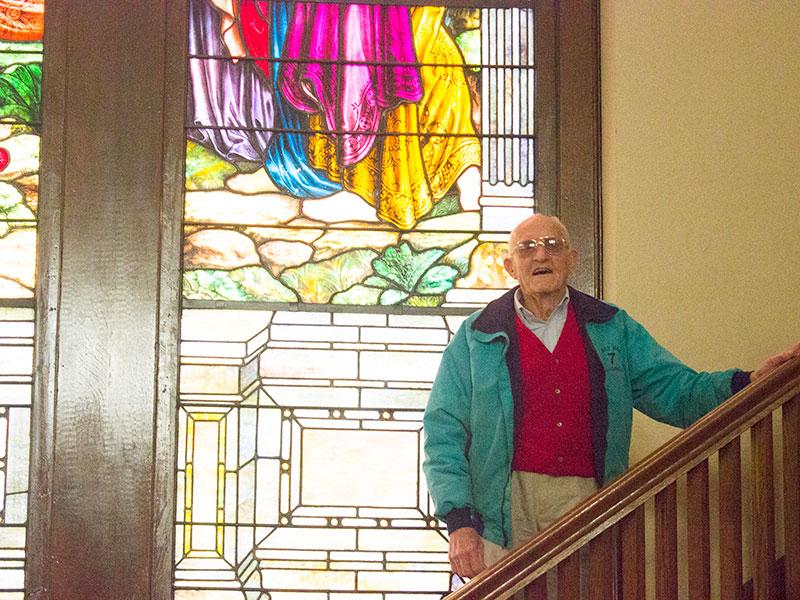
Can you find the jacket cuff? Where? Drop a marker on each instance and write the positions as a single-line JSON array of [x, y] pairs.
[[458, 518], [739, 381]]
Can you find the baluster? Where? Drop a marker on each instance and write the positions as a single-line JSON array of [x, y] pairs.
[[763, 510], [632, 555], [537, 589], [569, 576], [791, 496], [698, 552], [666, 517], [730, 519], [601, 566]]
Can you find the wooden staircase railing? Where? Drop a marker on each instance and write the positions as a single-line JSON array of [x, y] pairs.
[[612, 522]]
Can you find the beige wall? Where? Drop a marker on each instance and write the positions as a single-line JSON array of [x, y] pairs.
[[701, 177]]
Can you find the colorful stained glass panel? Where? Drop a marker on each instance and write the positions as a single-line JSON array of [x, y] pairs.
[[20, 127], [363, 175]]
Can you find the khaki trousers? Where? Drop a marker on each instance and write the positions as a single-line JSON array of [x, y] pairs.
[[537, 500]]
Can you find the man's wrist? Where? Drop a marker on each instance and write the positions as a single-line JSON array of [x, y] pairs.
[[459, 518], [740, 380]]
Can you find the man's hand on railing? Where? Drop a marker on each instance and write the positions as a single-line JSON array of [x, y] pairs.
[[466, 552], [773, 362]]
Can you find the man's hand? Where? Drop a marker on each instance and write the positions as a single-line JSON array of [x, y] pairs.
[[466, 552], [773, 362]]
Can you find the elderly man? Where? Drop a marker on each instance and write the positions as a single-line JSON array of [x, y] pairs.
[[532, 406]]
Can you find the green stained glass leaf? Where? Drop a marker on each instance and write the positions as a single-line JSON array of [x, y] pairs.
[[258, 283], [212, 285], [246, 283], [358, 295], [405, 267], [378, 282], [448, 205], [470, 44], [10, 198], [425, 301], [316, 283], [21, 93], [204, 169], [389, 297], [437, 280], [20, 213]]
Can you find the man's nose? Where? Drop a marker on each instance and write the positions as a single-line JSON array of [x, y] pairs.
[[539, 253]]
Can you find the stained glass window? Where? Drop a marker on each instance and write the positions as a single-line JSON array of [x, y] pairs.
[[21, 23], [352, 174], [20, 100], [355, 154]]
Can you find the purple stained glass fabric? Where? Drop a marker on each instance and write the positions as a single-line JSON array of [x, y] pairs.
[[351, 97], [225, 94]]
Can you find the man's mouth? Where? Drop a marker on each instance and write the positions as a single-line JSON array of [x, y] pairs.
[[542, 271]]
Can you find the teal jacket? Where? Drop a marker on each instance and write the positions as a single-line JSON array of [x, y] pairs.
[[470, 417]]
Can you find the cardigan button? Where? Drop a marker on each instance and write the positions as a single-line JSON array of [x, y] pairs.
[[559, 424], [558, 390]]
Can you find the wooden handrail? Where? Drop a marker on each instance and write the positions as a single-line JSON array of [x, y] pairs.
[[642, 482]]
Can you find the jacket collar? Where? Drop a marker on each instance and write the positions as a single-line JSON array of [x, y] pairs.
[[498, 315]]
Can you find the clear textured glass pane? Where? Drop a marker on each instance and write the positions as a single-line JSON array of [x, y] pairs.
[[341, 468], [316, 467], [16, 378]]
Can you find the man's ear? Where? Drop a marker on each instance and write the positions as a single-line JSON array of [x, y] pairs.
[[509, 266]]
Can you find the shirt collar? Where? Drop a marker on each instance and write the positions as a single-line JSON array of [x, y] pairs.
[[528, 316]]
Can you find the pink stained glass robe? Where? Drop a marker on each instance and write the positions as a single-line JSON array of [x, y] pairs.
[[351, 97]]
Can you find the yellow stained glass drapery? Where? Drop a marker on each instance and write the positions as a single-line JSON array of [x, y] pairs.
[[405, 174]]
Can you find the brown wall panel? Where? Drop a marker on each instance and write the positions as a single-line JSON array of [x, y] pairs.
[[107, 204], [579, 134]]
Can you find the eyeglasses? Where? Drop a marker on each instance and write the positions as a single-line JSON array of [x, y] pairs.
[[553, 246]]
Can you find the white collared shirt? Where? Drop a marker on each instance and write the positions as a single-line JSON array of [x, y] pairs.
[[548, 331]]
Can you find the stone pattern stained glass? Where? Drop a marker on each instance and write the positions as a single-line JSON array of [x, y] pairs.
[[16, 375], [299, 473], [390, 179]]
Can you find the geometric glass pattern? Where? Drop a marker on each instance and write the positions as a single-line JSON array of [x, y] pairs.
[[352, 154], [300, 453], [16, 376]]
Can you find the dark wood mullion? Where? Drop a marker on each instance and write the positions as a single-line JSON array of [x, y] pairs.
[[48, 256], [567, 126], [92, 510], [578, 70], [545, 112], [169, 305]]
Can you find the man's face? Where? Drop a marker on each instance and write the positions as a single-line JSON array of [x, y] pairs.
[[540, 273]]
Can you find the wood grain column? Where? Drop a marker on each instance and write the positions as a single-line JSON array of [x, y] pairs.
[[108, 300], [567, 126]]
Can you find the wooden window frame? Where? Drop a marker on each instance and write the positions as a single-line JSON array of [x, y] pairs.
[[102, 493]]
